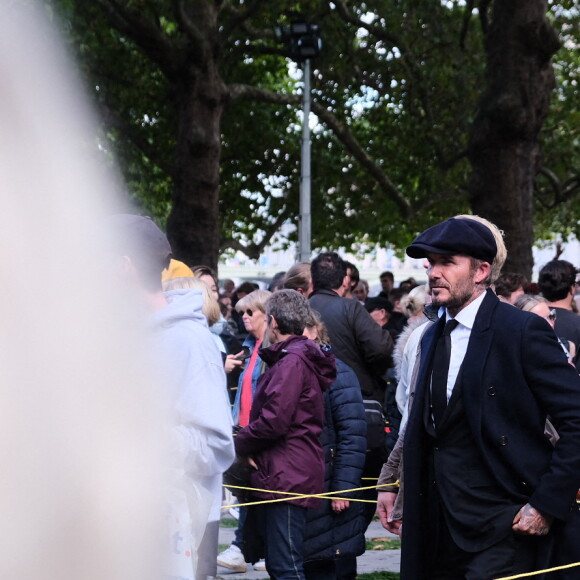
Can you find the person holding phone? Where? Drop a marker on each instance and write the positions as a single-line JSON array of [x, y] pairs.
[[252, 307]]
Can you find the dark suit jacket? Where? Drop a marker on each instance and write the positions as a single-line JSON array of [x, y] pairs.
[[514, 374]]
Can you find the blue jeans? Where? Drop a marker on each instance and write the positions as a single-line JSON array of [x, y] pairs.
[[239, 533], [284, 525]]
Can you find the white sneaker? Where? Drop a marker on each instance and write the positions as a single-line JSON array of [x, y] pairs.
[[233, 559], [260, 565]]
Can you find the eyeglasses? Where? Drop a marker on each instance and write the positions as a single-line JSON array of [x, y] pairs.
[[248, 311], [552, 315]]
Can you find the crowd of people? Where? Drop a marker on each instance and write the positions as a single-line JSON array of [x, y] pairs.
[[472, 432], [295, 389]]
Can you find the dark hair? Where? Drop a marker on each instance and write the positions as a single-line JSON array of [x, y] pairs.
[[291, 311], [408, 284], [246, 288], [201, 270], [387, 274], [555, 280], [508, 282], [139, 238], [328, 271], [277, 282], [354, 274], [396, 294]]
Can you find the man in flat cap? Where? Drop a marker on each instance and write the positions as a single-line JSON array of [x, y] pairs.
[[486, 495]]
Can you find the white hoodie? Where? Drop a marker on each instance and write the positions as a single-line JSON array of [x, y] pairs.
[[194, 371]]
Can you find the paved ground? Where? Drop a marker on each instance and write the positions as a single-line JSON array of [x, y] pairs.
[[370, 561]]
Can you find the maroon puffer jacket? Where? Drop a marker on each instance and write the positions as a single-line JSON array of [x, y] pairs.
[[286, 420]]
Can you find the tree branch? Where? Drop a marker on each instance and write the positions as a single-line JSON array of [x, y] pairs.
[[560, 192], [483, 15], [240, 18], [409, 62], [148, 37], [190, 29], [254, 250], [113, 119], [340, 130], [465, 25]]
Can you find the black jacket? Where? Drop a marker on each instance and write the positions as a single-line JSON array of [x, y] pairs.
[[356, 339], [330, 535], [514, 374]]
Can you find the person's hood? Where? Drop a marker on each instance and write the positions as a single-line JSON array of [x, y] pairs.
[[219, 327], [181, 305], [320, 362]]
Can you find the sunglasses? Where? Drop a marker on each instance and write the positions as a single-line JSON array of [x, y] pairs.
[[248, 311], [552, 315]]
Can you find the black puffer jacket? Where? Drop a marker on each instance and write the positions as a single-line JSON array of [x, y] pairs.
[[330, 535], [356, 339]]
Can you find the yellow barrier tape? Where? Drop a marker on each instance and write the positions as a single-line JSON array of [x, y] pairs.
[[303, 496], [539, 572]]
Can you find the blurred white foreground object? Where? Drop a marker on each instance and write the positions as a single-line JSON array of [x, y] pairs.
[[81, 491]]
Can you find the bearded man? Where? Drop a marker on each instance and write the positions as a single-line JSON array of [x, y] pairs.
[[486, 495]]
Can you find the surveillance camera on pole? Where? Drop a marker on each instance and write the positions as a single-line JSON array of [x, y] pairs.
[[304, 43]]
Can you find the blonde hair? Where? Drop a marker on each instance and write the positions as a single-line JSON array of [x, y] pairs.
[[314, 321], [210, 309], [298, 276], [528, 302], [255, 300], [501, 254]]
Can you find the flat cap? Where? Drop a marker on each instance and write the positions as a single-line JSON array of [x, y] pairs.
[[455, 236]]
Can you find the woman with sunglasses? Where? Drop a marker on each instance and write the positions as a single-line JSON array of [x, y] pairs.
[[252, 307], [539, 305]]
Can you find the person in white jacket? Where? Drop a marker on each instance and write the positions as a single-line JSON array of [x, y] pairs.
[[191, 366]]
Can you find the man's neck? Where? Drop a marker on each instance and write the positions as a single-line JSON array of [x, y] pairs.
[[566, 304]]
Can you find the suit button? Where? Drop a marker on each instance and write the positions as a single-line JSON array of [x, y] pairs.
[[491, 391], [503, 440]]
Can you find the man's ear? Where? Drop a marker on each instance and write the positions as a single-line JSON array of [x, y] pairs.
[[482, 272]]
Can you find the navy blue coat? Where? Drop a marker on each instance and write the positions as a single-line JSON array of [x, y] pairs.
[[330, 535], [514, 374]]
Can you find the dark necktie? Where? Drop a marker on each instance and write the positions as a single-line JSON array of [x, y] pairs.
[[440, 372]]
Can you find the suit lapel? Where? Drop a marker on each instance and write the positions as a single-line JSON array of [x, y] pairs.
[[422, 396]]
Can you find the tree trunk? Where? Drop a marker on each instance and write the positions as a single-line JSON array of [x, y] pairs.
[[199, 94], [504, 150]]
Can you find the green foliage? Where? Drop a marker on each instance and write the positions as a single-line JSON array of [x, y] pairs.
[[402, 78], [379, 576], [383, 544], [557, 208]]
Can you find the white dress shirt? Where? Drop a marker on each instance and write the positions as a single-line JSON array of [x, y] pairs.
[[460, 338]]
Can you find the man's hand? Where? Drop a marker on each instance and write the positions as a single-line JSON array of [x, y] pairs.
[[385, 505], [530, 522], [339, 505]]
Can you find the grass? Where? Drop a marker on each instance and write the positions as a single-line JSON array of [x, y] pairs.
[[383, 544], [379, 576], [228, 523], [222, 547]]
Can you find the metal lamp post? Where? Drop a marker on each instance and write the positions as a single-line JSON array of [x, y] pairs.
[[304, 43]]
